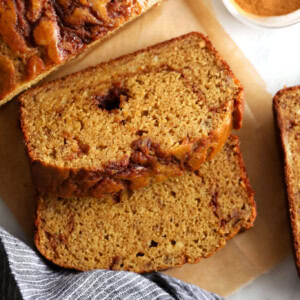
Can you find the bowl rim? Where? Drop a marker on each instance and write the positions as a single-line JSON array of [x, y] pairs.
[[274, 22]]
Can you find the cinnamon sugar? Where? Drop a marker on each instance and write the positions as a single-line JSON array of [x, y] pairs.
[[269, 7]]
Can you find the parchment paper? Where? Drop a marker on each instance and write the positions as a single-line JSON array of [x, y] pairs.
[[247, 255]]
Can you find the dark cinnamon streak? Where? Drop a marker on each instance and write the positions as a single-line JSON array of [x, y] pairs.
[[132, 172]]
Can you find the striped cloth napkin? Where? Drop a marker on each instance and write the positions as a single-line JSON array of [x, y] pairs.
[[24, 274]]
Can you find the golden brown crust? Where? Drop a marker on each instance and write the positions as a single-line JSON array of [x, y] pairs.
[[236, 227], [239, 103], [141, 168], [245, 181], [34, 66], [55, 32], [8, 76], [279, 125]]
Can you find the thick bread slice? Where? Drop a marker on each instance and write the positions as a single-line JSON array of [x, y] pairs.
[[38, 36], [287, 113], [162, 226], [143, 117]]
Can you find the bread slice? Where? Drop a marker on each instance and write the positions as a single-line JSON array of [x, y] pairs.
[[287, 113], [140, 118], [38, 36], [162, 226]]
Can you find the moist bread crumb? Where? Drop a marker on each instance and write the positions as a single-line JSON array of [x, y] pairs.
[[139, 119], [164, 225], [287, 114]]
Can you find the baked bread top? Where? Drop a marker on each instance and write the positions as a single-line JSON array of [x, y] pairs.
[[36, 36], [145, 116], [164, 225], [287, 111]]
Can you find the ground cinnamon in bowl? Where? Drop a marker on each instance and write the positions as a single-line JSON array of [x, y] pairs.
[[269, 7]]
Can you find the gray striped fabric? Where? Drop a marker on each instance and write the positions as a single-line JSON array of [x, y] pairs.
[[24, 274]]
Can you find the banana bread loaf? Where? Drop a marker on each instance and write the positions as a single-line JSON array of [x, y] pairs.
[[287, 112], [143, 117], [165, 225], [37, 36]]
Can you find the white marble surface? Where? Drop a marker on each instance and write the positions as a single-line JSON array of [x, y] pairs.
[[276, 56], [275, 53], [281, 283]]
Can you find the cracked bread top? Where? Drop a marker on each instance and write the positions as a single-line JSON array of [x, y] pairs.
[[38, 35]]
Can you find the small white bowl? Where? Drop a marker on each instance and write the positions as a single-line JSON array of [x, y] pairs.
[[267, 22]]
